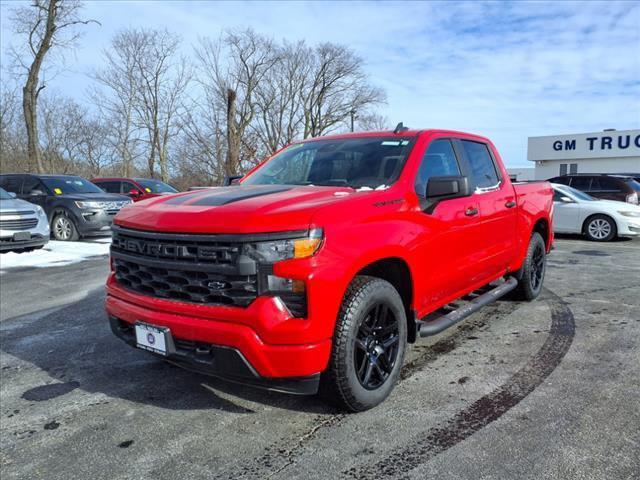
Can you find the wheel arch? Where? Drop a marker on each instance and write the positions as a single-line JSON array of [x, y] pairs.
[[396, 271], [542, 227]]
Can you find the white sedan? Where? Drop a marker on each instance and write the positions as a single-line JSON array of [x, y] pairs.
[[599, 220]]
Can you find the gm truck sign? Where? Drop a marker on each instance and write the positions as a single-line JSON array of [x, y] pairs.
[[611, 144]]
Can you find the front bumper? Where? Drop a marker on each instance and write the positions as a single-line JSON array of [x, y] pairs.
[[9, 243], [628, 227], [94, 222], [220, 361], [250, 332]]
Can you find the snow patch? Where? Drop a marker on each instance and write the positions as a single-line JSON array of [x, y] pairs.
[[55, 254]]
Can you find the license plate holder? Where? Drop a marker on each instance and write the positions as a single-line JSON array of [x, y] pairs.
[[21, 236], [153, 339]]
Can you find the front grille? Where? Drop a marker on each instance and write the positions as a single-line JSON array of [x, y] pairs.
[[18, 224], [187, 268], [186, 285]]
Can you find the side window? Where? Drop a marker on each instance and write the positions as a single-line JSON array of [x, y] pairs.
[[483, 170], [557, 196], [127, 187], [439, 161], [581, 183], [109, 187], [12, 183], [604, 184], [30, 184]]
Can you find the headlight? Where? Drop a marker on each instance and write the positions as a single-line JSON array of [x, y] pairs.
[[277, 250], [40, 212], [89, 204], [630, 214]]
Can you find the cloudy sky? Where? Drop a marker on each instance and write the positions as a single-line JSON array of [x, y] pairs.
[[505, 70]]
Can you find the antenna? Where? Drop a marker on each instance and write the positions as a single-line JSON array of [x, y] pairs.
[[400, 128]]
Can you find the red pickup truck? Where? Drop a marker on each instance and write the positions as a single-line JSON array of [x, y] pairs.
[[314, 273]]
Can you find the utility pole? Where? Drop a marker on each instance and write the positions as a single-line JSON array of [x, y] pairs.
[[353, 116]]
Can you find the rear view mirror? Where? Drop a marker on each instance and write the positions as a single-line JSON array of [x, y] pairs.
[[443, 188], [36, 193], [566, 200], [12, 195], [134, 193], [232, 180]]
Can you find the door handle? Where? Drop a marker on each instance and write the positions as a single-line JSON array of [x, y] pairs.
[[510, 204], [470, 212]]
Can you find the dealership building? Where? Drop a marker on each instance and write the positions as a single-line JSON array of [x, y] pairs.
[[609, 151]]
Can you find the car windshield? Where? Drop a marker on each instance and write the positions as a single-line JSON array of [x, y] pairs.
[[576, 193], [155, 186], [64, 185], [4, 195], [353, 162], [634, 184]]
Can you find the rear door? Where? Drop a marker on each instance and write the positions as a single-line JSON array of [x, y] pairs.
[[496, 239]]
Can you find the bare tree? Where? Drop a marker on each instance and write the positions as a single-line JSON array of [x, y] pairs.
[[117, 94], [372, 121], [231, 69], [43, 26], [336, 87]]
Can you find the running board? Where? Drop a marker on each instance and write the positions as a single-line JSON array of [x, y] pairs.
[[433, 327]]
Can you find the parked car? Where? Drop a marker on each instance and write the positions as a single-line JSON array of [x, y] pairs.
[[314, 273], [635, 176], [601, 185], [75, 207], [598, 220], [135, 188], [23, 225]]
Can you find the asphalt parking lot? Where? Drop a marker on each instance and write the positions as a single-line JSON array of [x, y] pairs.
[[549, 389]]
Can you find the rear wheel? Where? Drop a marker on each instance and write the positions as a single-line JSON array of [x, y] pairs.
[[63, 228], [368, 346], [600, 228], [531, 275]]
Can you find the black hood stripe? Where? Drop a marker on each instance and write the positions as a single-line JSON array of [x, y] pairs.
[[225, 195]]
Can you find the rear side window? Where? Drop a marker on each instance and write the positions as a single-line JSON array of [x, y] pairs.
[[483, 170], [439, 161], [12, 183], [605, 184], [581, 183], [30, 184], [109, 187]]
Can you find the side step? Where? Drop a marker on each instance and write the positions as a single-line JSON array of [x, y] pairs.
[[433, 327]]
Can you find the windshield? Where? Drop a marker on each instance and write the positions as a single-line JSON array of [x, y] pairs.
[[64, 185], [353, 162], [155, 186], [634, 184], [4, 195], [575, 193]]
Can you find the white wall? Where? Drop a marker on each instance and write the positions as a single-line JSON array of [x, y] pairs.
[[522, 173], [612, 144], [551, 168]]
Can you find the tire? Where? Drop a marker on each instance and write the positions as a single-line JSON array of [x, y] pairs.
[[600, 228], [63, 228], [369, 343], [531, 275]]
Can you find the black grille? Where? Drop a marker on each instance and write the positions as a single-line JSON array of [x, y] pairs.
[[21, 224], [186, 285], [187, 268]]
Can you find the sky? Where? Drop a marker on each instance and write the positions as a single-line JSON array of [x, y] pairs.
[[506, 70]]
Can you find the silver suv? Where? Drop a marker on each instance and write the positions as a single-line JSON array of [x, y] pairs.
[[23, 225]]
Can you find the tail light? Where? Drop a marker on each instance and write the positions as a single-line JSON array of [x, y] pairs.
[[632, 198]]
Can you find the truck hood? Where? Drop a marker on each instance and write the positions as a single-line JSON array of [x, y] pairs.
[[235, 209]]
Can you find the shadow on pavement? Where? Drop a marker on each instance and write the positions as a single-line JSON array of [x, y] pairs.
[[75, 346]]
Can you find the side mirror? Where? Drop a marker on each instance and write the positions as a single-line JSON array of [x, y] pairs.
[[36, 193], [566, 200], [134, 192], [232, 180], [444, 188], [12, 194]]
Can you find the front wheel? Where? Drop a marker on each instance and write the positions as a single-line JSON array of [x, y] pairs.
[[369, 343], [63, 228], [531, 275], [600, 228]]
